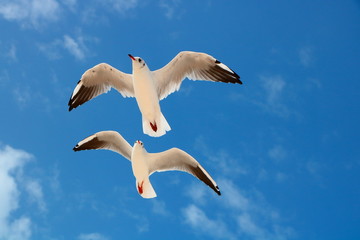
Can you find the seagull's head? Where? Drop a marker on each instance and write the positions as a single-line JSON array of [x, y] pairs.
[[138, 143], [138, 62]]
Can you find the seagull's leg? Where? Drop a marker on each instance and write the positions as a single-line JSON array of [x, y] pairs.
[[153, 126], [140, 187]]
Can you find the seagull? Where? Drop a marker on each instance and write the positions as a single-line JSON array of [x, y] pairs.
[[143, 163], [149, 87]]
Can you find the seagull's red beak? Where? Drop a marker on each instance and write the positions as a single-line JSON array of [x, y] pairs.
[[131, 57]]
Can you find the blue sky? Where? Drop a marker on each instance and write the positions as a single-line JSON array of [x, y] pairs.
[[283, 147]]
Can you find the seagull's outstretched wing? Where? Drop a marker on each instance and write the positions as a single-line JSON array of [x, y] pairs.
[[177, 159], [110, 140], [100, 79], [195, 66]]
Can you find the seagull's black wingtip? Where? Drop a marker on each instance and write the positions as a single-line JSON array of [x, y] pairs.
[[218, 191], [76, 148], [69, 104]]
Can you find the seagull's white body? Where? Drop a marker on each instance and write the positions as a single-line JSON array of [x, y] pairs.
[[149, 87], [154, 123], [144, 163], [140, 167]]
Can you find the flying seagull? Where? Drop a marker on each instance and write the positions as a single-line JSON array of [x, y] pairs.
[[144, 164], [149, 87]]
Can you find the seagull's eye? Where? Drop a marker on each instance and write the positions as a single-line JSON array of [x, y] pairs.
[[139, 59]]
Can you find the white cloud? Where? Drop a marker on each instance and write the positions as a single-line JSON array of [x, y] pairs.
[[25, 95], [12, 53], [306, 56], [8, 52], [197, 192], [280, 177], [51, 50], [71, 4], [159, 207], [142, 222], [273, 85], [92, 236], [221, 158], [121, 6], [75, 47], [248, 227], [11, 162], [170, 7], [246, 209], [273, 96], [277, 153], [22, 95], [232, 196], [30, 13], [4, 77], [35, 192], [252, 214], [54, 182], [201, 223]]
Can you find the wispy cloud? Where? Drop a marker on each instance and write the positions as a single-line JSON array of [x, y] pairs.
[[142, 222], [8, 52], [35, 192], [171, 8], [97, 13], [30, 13], [51, 50], [54, 182], [201, 223], [274, 86], [11, 54], [197, 192], [306, 56], [249, 227], [4, 77], [121, 6], [246, 209], [11, 226], [159, 207], [252, 216], [71, 4], [22, 95], [76, 46], [277, 153], [233, 198], [92, 236], [273, 95], [25, 95], [221, 158]]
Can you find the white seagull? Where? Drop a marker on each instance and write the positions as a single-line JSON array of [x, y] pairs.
[[144, 163], [149, 87]]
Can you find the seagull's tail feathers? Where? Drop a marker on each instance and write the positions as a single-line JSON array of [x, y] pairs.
[[145, 189], [157, 128]]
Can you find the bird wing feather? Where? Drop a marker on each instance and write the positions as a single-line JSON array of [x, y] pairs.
[[177, 159], [194, 66], [109, 140], [98, 80]]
